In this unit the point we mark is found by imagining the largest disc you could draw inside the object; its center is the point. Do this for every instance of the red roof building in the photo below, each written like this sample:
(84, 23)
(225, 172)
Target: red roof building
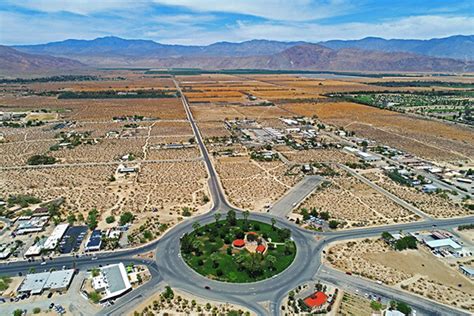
(238, 243)
(316, 300)
(260, 248)
(252, 233)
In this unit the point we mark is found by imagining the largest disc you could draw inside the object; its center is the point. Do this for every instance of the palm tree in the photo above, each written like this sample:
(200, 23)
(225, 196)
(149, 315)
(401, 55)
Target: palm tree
(217, 217)
(273, 223)
(196, 225)
(246, 216)
(271, 260)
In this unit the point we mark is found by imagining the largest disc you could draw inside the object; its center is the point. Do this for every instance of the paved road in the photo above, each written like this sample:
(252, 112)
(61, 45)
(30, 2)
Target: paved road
(295, 195)
(169, 268)
(389, 195)
(422, 306)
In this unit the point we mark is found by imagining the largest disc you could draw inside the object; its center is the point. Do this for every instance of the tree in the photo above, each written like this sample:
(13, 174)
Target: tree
(196, 226)
(387, 236)
(273, 223)
(110, 219)
(324, 215)
(215, 259)
(231, 218)
(95, 297)
(125, 218)
(217, 217)
(271, 260)
(168, 293)
(333, 224)
(92, 219)
(71, 218)
(17, 312)
(246, 216)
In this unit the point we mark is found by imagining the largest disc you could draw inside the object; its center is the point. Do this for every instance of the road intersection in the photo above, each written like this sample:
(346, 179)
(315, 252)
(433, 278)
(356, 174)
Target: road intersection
(169, 268)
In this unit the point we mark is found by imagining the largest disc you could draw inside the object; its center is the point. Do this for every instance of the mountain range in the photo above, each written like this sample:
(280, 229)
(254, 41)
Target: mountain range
(455, 53)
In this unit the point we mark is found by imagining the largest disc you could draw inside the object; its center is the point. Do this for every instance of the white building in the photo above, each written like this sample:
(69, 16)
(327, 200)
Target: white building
(53, 240)
(36, 283)
(443, 244)
(113, 280)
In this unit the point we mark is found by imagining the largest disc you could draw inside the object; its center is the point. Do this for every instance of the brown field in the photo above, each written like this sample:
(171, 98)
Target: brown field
(417, 271)
(251, 185)
(426, 139)
(352, 202)
(431, 204)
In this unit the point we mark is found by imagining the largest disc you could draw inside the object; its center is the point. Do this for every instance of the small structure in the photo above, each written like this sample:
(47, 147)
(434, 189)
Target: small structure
(429, 188)
(95, 241)
(239, 243)
(30, 224)
(260, 249)
(467, 271)
(316, 300)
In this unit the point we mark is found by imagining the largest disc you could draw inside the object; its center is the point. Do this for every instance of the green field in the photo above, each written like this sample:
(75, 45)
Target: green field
(206, 251)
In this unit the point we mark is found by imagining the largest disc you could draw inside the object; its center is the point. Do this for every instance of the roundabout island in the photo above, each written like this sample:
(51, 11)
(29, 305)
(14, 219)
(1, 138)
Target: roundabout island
(238, 250)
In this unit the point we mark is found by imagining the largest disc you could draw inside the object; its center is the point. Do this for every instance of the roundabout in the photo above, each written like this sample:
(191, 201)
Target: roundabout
(238, 250)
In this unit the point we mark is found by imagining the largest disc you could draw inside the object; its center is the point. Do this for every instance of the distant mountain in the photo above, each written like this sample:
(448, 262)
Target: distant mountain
(112, 46)
(312, 57)
(15, 62)
(458, 47)
(369, 54)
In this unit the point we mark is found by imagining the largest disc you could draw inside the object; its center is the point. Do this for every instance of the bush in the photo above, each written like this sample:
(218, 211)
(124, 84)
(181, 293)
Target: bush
(36, 310)
(41, 160)
(110, 219)
(125, 218)
(95, 297)
(333, 224)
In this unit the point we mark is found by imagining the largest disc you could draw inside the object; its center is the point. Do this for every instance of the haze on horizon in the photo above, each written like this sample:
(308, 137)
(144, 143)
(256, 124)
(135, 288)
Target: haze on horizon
(204, 22)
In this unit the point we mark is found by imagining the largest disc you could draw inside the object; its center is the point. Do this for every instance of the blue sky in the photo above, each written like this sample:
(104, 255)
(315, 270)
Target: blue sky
(208, 21)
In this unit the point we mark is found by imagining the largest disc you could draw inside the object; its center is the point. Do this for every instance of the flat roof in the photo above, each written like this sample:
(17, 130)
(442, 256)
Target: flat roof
(34, 283)
(443, 243)
(59, 279)
(467, 269)
(55, 236)
(117, 280)
(95, 239)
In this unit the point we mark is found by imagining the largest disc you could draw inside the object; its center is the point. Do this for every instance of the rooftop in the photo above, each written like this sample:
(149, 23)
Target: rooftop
(316, 300)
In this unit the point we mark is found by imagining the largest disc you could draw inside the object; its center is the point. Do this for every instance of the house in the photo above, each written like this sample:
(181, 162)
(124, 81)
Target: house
(123, 169)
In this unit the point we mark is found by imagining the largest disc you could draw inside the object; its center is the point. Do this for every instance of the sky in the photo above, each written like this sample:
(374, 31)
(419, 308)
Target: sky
(202, 22)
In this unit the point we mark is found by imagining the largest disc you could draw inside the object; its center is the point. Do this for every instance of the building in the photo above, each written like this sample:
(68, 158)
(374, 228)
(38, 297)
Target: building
(429, 188)
(467, 271)
(443, 244)
(95, 241)
(316, 300)
(393, 313)
(123, 169)
(30, 224)
(113, 281)
(239, 243)
(367, 157)
(54, 281)
(35, 250)
(53, 240)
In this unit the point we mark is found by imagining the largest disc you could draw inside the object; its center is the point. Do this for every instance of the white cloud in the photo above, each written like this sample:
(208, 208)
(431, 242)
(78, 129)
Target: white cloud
(283, 10)
(83, 7)
(414, 27)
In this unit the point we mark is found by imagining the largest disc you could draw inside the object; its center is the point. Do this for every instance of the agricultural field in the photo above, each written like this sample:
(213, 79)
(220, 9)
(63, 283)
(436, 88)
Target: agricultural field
(429, 277)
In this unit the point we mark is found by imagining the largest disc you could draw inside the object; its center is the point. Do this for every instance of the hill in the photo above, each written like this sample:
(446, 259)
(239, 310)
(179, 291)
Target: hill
(15, 62)
(458, 47)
